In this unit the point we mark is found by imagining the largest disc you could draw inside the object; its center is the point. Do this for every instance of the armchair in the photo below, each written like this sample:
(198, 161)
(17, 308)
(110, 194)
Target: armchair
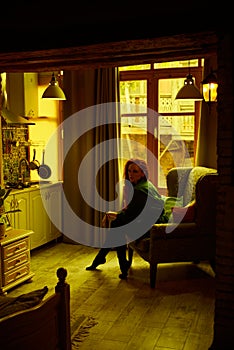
(183, 241)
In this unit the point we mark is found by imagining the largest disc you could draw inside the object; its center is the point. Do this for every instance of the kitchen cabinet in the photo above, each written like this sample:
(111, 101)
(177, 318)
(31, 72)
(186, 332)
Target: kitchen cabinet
(38, 220)
(48, 197)
(19, 201)
(44, 201)
(52, 196)
(37, 205)
(15, 259)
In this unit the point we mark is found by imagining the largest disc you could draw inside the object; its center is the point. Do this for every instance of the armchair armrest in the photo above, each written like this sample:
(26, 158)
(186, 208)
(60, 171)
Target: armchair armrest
(172, 230)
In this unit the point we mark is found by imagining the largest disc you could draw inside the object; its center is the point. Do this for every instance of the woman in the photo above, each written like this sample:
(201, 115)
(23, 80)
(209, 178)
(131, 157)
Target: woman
(144, 192)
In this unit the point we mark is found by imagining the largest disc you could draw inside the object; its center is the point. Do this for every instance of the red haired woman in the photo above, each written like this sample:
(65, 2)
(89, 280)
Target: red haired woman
(144, 193)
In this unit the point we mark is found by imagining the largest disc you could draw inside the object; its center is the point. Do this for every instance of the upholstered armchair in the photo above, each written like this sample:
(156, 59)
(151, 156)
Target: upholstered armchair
(189, 236)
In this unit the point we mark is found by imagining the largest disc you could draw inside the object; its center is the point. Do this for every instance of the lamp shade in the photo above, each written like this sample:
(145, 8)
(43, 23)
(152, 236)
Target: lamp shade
(53, 91)
(209, 88)
(189, 91)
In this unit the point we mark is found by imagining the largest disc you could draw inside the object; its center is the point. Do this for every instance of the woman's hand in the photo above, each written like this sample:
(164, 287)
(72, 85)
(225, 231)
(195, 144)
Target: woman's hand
(108, 217)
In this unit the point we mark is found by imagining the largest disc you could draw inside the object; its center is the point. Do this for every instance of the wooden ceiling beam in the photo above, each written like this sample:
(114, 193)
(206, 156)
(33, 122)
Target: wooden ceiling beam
(178, 47)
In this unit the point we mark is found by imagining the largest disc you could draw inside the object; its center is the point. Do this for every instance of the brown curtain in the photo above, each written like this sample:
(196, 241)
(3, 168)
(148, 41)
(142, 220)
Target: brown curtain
(206, 154)
(92, 95)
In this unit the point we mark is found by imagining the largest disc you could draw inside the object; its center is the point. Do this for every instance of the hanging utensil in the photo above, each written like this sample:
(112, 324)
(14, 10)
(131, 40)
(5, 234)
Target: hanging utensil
(34, 164)
(44, 170)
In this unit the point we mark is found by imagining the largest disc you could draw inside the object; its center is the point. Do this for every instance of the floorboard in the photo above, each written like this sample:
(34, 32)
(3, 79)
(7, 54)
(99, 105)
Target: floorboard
(177, 315)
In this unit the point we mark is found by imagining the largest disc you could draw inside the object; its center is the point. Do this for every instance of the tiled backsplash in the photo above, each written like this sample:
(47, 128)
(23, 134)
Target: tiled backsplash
(15, 147)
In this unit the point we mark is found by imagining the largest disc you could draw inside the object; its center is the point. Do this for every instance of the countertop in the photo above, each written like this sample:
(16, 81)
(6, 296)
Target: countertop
(44, 184)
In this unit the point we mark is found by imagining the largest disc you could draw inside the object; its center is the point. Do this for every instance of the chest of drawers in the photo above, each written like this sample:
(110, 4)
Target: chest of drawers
(15, 258)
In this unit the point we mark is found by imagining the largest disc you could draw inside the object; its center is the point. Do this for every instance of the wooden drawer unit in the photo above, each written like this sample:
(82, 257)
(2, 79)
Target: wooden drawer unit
(14, 249)
(16, 261)
(16, 274)
(15, 258)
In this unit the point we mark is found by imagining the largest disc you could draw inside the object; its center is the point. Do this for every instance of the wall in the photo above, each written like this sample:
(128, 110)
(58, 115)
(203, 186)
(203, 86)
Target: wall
(39, 134)
(224, 305)
(23, 94)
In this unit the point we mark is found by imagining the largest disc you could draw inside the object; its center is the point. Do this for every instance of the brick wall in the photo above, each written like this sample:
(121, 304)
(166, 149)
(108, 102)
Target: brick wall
(224, 305)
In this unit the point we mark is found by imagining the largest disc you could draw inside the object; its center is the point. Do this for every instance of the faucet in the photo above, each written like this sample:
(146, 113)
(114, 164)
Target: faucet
(21, 175)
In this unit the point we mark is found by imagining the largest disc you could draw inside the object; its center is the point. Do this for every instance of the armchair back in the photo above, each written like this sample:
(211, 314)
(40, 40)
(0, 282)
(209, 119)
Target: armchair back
(181, 181)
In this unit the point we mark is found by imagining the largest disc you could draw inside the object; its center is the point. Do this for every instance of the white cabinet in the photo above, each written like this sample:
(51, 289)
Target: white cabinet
(45, 203)
(38, 220)
(52, 200)
(37, 206)
(21, 219)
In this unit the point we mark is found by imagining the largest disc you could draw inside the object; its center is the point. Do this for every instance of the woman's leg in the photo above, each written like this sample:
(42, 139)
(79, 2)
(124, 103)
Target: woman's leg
(124, 264)
(99, 259)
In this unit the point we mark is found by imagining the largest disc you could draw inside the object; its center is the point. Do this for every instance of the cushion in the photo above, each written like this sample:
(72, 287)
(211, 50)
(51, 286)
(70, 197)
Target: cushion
(195, 174)
(10, 305)
(171, 202)
(184, 214)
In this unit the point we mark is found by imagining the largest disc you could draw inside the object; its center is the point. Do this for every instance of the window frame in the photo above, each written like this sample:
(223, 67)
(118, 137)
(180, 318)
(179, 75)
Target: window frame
(152, 76)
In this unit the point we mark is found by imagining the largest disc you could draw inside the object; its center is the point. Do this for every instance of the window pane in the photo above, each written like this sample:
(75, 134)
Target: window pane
(176, 64)
(167, 103)
(133, 96)
(136, 67)
(176, 142)
(133, 137)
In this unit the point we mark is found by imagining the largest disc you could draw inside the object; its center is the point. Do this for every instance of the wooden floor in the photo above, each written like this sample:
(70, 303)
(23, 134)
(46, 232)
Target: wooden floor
(178, 314)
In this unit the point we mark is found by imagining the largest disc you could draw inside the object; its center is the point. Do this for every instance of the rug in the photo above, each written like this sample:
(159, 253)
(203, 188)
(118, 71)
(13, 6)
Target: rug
(80, 330)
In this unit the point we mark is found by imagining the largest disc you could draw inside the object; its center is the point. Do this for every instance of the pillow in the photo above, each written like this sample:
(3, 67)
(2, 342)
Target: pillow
(171, 202)
(184, 214)
(10, 305)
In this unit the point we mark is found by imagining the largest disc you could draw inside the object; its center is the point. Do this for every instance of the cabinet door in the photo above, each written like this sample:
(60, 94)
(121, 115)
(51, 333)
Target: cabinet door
(52, 201)
(38, 219)
(22, 218)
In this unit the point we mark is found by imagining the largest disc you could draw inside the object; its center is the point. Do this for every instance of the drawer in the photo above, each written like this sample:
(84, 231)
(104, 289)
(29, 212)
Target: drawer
(16, 261)
(16, 248)
(16, 274)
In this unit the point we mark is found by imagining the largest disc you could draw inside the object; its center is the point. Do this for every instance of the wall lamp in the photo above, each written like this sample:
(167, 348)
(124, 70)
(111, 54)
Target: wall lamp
(53, 91)
(209, 87)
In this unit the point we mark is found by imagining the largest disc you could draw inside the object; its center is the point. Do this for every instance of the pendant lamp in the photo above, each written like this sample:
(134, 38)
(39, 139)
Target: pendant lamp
(209, 87)
(53, 91)
(189, 91)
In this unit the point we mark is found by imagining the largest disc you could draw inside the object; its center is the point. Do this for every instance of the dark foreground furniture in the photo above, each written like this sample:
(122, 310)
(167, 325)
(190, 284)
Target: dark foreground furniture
(45, 326)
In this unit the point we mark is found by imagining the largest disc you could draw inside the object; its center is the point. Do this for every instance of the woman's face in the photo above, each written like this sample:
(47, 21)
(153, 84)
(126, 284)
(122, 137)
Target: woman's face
(135, 173)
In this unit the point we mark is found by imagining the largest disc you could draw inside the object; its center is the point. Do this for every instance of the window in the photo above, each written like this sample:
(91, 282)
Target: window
(154, 125)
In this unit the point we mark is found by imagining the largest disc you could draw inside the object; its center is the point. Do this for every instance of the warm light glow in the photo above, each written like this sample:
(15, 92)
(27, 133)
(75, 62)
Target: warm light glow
(209, 88)
(210, 92)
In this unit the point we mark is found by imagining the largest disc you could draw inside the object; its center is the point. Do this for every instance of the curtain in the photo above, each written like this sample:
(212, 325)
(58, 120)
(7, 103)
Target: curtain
(91, 150)
(206, 153)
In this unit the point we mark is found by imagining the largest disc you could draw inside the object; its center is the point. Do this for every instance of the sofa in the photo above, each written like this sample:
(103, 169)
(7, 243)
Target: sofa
(189, 235)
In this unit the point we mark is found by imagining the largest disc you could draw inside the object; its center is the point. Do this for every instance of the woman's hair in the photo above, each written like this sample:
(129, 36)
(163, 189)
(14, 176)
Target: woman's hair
(139, 162)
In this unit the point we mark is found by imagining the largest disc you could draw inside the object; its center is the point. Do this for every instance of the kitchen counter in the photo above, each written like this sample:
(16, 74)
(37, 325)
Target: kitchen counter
(35, 186)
